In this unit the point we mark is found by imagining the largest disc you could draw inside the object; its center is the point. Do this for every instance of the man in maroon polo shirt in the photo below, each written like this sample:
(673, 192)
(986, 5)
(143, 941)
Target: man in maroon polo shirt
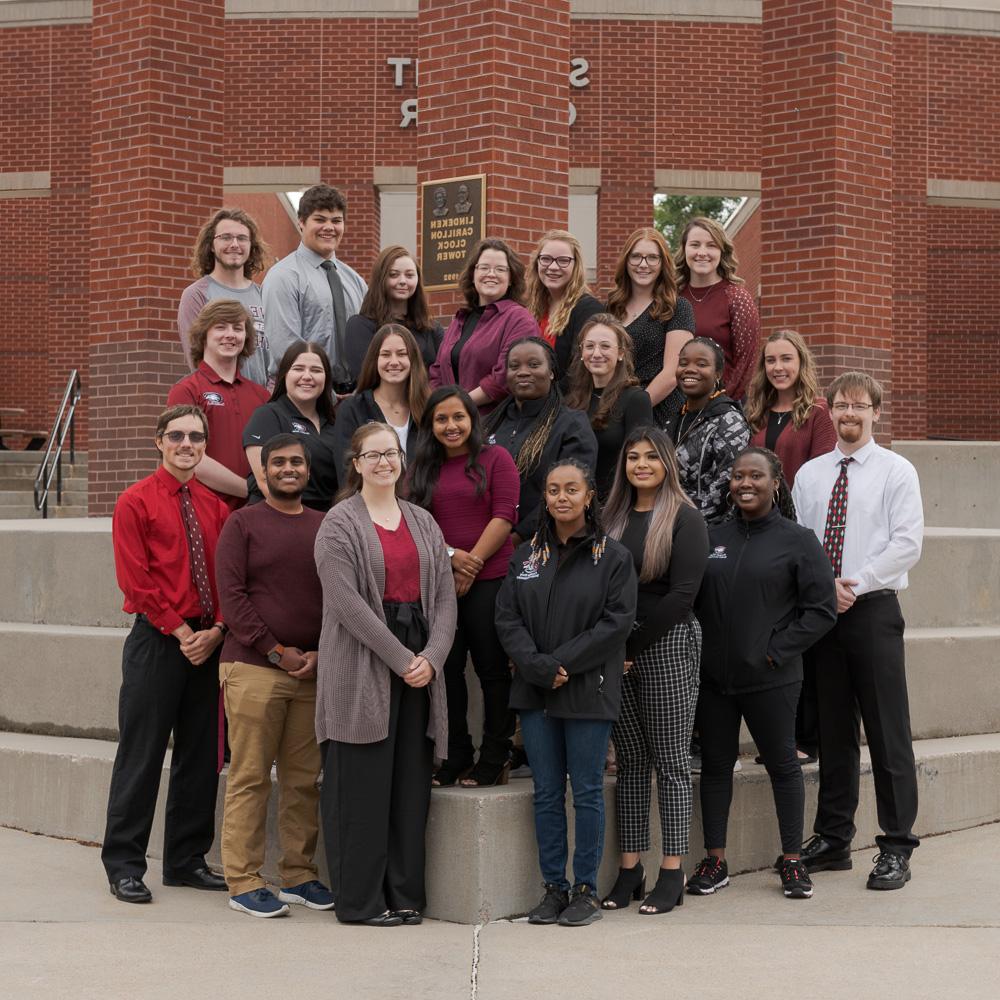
(165, 531)
(221, 336)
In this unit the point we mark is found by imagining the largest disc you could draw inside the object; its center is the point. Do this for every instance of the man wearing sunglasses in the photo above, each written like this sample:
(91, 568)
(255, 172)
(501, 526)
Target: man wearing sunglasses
(165, 531)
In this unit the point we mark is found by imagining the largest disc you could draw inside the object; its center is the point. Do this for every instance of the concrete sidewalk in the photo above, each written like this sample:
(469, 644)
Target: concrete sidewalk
(64, 937)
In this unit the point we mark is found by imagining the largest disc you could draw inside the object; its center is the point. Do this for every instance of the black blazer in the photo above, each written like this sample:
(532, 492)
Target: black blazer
(566, 341)
(354, 411)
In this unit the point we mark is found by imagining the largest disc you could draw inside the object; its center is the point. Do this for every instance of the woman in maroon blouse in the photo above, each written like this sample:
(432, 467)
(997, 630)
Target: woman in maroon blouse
(472, 490)
(785, 409)
(723, 308)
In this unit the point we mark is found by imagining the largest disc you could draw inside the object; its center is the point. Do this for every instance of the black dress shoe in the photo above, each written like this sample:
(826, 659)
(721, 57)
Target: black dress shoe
(387, 919)
(200, 878)
(819, 855)
(891, 871)
(131, 889)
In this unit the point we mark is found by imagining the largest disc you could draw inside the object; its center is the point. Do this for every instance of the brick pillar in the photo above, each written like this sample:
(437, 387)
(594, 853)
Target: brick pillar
(157, 157)
(494, 99)
(826, 180)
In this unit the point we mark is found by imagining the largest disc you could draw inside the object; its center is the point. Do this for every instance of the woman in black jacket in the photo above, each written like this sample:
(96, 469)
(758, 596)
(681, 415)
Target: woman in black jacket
(767, 596)
(654, 519)
(536, 428)
(563, 615)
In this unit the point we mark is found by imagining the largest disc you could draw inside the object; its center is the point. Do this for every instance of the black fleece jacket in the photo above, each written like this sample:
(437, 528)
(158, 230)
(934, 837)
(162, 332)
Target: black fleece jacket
(573, 613)
(766, 597)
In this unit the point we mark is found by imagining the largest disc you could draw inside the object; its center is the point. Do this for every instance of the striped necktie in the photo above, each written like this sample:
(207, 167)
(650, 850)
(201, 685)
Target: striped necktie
(836, 520)
(196, 550)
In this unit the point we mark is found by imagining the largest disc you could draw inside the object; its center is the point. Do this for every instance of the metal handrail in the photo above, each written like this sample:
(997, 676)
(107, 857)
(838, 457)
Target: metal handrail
(52, 463)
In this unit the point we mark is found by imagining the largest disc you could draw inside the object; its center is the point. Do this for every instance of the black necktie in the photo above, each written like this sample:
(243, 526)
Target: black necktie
(339, 310)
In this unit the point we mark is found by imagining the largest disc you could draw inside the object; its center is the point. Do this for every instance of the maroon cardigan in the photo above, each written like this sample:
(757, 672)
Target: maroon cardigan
(795, 446)
(483, 361)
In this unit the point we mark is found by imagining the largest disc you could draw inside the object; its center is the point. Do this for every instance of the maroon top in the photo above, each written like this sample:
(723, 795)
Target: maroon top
(402, 564)
(228, 406)
(269, 590)
(462, 516)
(483, 360)
(794, 446)
(152, 559)
(727, 313)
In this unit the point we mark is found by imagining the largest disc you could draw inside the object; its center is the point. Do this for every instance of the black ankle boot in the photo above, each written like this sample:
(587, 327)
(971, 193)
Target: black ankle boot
(667, 893)
(630, 884)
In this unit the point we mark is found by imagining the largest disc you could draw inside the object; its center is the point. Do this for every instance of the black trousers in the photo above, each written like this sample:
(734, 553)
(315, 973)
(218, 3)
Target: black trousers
(770, 718)
(163, 693)
(807, 715)
(374, 804)
(861, 674)
(476, 634)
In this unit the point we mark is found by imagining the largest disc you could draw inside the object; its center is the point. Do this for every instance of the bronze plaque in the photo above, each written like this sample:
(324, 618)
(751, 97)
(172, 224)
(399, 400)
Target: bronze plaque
(453, 221)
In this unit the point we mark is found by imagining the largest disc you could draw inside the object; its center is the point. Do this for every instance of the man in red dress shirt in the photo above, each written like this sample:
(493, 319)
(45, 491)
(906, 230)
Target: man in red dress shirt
(165, 531)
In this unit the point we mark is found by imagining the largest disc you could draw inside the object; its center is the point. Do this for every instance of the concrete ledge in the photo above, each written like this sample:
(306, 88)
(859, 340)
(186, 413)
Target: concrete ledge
(729, 183)
(29, 13)
(482, 861)
(946, 17)
(967, 194)
(726, 11)
(25, 184)
(242, 180)
(237, 10)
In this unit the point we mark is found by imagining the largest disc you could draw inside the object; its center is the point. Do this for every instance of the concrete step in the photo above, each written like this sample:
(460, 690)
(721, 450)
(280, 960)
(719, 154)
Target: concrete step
(959, 481)
(482, 857)
(16, 497)
(25, 512)
(25, 481)
(953, 680)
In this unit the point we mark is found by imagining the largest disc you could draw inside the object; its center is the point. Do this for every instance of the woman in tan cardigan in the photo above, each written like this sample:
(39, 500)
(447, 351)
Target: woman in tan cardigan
(388, 624)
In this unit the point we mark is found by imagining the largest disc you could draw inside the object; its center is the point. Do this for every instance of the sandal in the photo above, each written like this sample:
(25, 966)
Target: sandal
(630, 884)
(667, 893)
(448, 774)
(486, 775)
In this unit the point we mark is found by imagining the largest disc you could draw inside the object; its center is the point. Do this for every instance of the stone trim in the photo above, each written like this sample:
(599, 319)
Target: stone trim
(395, 177)
(27, 184)
(30, 13)
(251, 180)
(722, 11)
(968, 194)
(947, 17)
(244, 10)
(727, 183)
(585, 180)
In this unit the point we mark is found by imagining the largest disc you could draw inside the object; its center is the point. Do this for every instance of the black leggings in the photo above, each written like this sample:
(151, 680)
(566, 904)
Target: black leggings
(770, 718)
(475, 634)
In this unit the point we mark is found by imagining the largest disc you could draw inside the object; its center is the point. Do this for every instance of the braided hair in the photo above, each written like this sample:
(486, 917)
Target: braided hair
(531, 451)
(783, 497)
(545, 536)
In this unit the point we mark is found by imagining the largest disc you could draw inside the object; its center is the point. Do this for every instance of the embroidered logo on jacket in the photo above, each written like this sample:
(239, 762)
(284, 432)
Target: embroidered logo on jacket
(298, 428)
(719, 552)
(529, 570)
(213, 398)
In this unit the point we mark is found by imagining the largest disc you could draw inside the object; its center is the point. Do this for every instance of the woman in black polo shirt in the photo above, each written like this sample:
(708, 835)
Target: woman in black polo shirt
(300, 404)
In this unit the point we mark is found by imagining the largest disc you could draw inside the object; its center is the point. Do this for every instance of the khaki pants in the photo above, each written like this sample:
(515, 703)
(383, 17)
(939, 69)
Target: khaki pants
(271, 720)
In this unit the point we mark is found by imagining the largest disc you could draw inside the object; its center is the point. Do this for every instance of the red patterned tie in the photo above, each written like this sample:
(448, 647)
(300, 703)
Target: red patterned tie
(196, 550)
(836, 519)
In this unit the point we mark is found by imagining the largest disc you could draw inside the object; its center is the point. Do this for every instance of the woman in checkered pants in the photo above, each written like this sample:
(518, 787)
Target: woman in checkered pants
(653, 517)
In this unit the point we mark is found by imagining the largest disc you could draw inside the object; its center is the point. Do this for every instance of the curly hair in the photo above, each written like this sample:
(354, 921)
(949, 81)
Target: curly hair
(727, 262)
(581, 382)
(783, 495)
(545, 535)
(761, 395)
(466, 280)
(538, 295)
(418, 388)
(321, 198)
(203, 256)
(377, 306)
(220, 311)
(665, 289)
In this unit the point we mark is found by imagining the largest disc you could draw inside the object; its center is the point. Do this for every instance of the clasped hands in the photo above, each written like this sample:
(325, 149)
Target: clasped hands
(297, 664)
(198, 646)
(465, 568)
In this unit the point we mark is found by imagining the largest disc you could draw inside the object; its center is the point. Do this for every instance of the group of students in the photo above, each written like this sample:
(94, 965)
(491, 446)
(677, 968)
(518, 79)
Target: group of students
(587, 500)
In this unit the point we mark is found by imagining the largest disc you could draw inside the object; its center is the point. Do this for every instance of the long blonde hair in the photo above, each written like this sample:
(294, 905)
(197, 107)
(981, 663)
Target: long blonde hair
(761, 395)
(665, 289)
(538, 295)
(727, 260)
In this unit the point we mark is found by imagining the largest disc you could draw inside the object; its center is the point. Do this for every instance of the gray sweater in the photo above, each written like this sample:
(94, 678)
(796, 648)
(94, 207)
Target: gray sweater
(356, 648)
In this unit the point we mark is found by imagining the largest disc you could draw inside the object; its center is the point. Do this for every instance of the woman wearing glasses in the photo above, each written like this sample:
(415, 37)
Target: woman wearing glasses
(388, 624)
(473, 353)
(558, 296)
(659, 322)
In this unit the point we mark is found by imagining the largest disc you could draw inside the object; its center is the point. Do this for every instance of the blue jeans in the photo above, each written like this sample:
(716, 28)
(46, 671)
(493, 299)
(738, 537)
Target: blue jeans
(555, 747)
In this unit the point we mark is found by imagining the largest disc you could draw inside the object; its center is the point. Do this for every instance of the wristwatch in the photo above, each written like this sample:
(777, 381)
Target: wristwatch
(276, 654)
(451, 552)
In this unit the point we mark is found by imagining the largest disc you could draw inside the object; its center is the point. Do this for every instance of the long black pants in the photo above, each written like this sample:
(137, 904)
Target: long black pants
(374, 804)
(807, 715)
(861, 674)
(476, 634)
(162, 692)
(770, 718)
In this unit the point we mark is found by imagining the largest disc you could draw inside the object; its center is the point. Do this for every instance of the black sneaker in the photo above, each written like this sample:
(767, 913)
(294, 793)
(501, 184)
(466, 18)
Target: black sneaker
(795, 881)
(584, 908)
(711, 874)
(891, 871)
(553, 903)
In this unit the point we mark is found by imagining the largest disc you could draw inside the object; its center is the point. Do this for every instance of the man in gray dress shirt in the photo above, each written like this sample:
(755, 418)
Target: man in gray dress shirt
(310, 294)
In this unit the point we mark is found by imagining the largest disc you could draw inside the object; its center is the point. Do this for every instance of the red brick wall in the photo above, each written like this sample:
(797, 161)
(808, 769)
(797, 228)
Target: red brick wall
(747, 244)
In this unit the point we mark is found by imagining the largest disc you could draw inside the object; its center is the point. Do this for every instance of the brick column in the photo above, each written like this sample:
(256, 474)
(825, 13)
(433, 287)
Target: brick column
(826, 180)
(157, 157)
(494, 99)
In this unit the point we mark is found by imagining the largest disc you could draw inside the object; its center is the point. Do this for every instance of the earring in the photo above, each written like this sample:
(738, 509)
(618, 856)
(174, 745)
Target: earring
(776, 496)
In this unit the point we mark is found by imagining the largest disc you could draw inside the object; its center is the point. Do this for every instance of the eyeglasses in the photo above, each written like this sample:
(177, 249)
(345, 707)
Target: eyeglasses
(374, 457)
(244, 241)
(638, 259)
(176, 437)
(856, 407)
(561, 262)
(500, 269)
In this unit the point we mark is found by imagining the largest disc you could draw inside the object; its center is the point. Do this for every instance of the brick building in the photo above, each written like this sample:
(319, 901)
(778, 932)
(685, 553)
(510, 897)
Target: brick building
(865, 134)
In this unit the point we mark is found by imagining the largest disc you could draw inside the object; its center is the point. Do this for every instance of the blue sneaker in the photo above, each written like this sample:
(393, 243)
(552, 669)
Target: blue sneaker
(313, 894)
(258, 903)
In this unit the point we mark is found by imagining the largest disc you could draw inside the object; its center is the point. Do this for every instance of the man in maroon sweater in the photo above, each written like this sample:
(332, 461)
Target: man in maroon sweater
(272, 602)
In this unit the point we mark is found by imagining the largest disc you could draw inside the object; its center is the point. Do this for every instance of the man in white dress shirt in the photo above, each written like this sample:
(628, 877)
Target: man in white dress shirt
(863, 503)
